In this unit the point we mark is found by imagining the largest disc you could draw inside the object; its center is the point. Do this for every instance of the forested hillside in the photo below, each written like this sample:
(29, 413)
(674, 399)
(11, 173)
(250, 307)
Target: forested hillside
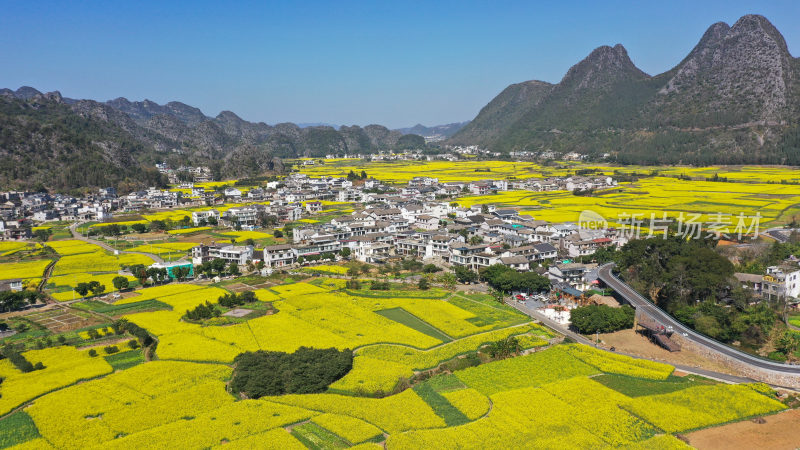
(61, 143)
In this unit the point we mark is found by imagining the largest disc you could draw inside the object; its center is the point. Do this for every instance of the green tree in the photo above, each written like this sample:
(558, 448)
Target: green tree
(475, 240)
(448, 280)
(601, 318)
(217, 265)
(120, 283)
(504, 348)
(262, 373)
(431, 268)
(158, 225)
(43, 234)
(465, 275)
(82, 289)
(498, 295)
(96, 287)
(709, 326)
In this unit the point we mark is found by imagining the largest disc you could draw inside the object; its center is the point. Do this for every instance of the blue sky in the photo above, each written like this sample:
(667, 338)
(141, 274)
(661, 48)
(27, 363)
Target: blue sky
(342, 62)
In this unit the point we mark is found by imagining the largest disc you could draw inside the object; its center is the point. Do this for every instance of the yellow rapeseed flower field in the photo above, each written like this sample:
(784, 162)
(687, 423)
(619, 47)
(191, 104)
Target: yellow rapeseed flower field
(541, 400)
(188, 230)
(341, 270)
(378, 367)
(353, 430)
(469, 401)
(275, 439)
(23, 269)
(63, 366)
(394, 414)
(620, 364)
(71, 280)
(701, 406)
(317, 317)
(750, 190)
(539, 368)
(242, 236)
(159, 292)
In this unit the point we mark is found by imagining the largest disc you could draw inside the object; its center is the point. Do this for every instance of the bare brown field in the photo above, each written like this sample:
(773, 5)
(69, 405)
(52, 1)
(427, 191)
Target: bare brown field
(780, 431)
(632, 343)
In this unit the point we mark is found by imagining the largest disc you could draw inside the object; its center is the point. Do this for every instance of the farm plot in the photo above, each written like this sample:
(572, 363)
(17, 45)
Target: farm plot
(703, 201)
(242, 236)
(8, 248)
(317, 316)
(73, 247)
(62, 287)
(573, 408)
(61, 319)
(701, 406)
(24, 270)
(377, 368)
(537, 401)
(329, 269)
(189, 230)
(447, 171)
(173, 250)
(62, 367)
(98, 261)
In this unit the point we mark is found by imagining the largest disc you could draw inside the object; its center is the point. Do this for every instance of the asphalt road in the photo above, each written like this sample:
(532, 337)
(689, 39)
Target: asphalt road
(642, 304)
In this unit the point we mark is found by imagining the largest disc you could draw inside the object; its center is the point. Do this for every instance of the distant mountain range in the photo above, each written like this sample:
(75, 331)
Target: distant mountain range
(61, 143)
(735, 98)
(443, 131)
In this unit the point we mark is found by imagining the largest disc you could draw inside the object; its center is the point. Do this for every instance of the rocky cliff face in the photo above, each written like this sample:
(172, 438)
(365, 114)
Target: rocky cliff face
(144, 110)
(603, 68)
(734, 75)
(734, 99)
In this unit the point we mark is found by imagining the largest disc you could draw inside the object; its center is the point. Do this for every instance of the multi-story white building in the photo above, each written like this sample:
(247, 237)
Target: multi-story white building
(786, 279)
(279, 255)
(240, 254)
(199, 216)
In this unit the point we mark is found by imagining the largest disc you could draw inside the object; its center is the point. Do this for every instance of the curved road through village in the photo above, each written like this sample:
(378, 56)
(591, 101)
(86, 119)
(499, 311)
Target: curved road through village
(642, 304)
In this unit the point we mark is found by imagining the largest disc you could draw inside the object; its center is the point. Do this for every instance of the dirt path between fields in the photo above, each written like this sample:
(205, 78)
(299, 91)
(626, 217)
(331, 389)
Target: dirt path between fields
(779, 432)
